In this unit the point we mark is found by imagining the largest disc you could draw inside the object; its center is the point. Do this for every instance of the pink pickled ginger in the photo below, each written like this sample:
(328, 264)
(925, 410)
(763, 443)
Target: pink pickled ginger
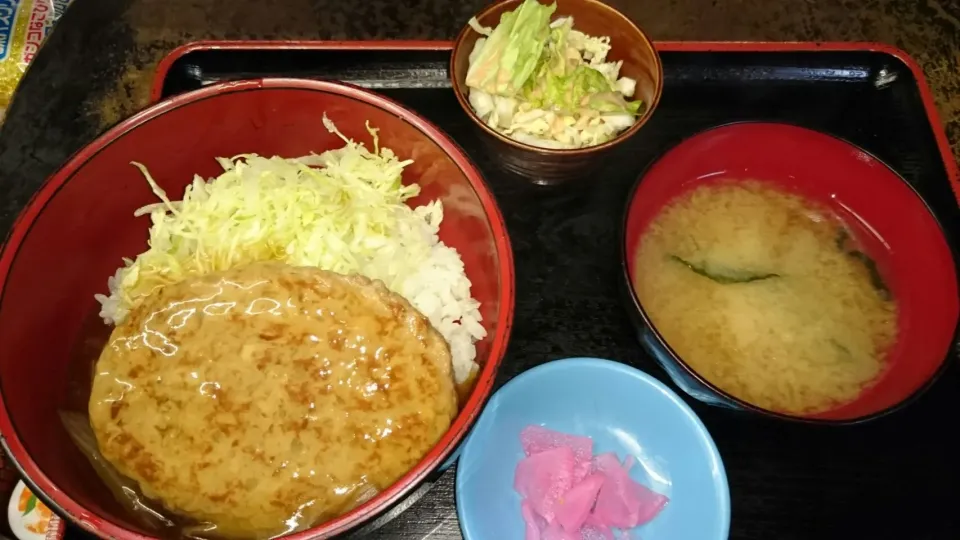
(543, 478)
(570, 494)
(530, 520)
(575, 505)
(622, 502)
(555, 532)
(596, 532)
(537, 439)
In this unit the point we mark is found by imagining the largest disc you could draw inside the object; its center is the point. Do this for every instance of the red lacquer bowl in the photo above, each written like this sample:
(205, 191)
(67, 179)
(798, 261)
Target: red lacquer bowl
(73, 233)
(895, 225)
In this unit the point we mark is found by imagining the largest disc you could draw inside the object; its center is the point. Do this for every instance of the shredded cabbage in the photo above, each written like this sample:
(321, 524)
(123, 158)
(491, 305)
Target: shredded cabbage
(342, 210)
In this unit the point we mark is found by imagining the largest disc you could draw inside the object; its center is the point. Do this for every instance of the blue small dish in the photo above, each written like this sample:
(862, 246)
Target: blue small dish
(624, 411)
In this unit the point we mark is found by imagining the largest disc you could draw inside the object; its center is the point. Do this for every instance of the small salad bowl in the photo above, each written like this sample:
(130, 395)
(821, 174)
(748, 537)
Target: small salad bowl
(628, 44)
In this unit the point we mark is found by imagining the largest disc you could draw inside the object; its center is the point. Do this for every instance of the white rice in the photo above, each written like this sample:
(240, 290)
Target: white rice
(440, 289)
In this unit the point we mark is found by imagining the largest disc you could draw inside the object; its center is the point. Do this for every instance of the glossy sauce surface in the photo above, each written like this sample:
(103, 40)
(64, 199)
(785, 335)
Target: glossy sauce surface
(268, 398)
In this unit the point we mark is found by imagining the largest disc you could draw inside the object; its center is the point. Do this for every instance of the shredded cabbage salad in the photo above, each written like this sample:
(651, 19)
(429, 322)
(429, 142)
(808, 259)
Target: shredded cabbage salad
(342, 210)
(546, 84)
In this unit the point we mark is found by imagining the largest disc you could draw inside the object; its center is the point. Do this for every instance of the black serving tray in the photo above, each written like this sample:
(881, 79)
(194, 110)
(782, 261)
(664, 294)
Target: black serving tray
(895, 478)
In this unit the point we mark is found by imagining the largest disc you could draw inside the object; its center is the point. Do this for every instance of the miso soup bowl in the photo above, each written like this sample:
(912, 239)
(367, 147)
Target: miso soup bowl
(546, 166)
(907, 243)
(73, 233)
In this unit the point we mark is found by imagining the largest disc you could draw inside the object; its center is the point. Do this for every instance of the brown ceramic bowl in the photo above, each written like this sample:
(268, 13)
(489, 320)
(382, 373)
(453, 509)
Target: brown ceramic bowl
(592, 17)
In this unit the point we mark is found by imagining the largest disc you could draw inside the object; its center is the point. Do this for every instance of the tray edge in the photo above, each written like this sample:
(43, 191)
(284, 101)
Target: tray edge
(926, 94)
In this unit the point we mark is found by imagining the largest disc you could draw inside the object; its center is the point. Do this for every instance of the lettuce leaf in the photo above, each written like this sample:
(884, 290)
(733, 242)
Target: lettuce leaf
(512, 52)
(581, 88)
(563, 82)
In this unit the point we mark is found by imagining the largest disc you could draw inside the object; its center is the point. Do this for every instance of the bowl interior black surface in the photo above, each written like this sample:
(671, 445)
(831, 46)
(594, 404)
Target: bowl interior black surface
(894, 478)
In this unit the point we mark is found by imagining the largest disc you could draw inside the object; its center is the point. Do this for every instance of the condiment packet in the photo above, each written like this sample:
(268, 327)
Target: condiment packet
(29, 518)
(23, 26)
